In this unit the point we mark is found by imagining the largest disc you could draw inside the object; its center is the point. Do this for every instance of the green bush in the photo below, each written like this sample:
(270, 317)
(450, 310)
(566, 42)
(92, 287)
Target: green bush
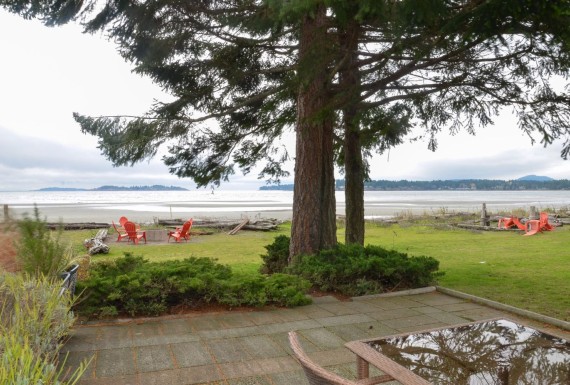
(356, 270)
(259, 290)
(134, 286)
(353, 269)
(277, 257)
(34, 319)
(39, 251)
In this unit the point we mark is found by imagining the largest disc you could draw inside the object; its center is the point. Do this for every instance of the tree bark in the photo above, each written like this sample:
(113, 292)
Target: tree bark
(314, 222)
(354, 170)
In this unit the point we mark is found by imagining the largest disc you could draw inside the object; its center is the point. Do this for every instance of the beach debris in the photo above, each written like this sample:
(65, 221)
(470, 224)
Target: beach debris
(95, 245)
(239, 227)
(78, 226)
(257, 225)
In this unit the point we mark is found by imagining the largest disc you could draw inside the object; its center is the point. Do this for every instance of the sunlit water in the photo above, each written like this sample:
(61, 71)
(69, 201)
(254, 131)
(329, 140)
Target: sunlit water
(98, 205)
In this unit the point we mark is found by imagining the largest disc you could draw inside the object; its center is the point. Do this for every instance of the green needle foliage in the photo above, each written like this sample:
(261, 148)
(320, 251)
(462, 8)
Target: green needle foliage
(132, 285)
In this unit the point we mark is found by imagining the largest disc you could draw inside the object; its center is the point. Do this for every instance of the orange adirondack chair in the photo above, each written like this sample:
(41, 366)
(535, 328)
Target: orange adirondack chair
(121, 234)
(181, 232)
(534, 226)
(123, 220)
(543, 222)
(132, 232)
(509, 222)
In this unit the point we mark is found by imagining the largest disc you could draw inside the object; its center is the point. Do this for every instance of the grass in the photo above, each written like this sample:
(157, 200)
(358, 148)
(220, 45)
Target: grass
(241, 251)
(527, 272)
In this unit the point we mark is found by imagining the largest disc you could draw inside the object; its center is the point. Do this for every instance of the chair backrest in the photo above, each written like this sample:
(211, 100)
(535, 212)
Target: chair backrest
(122, 221)
(186, 227)
(131, 229)
(115, 226)
(315, 374)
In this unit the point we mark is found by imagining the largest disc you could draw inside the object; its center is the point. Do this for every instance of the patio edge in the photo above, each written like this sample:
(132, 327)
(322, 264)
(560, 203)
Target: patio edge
(421, 290)
(501, 306)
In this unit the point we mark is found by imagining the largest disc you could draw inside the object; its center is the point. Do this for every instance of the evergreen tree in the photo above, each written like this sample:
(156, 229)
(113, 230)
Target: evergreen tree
(445, 64)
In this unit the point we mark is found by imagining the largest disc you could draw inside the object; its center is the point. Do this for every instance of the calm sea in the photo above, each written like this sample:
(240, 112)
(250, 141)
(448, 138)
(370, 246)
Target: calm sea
(148, 205)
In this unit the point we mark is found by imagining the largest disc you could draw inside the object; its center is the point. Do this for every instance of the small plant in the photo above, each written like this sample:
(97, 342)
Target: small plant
(39, 252)
(34, 319)
(276, 259)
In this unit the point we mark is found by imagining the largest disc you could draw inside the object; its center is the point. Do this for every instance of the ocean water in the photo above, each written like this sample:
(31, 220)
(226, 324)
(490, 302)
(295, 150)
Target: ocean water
(148, 205)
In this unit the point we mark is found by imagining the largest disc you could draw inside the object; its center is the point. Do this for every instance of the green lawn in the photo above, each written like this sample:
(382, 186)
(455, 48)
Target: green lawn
(528, 272)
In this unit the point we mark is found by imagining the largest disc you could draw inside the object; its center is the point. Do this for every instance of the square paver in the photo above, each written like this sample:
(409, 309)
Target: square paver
(188, 354)
(153, 358)
(228, 350)
(115, 362)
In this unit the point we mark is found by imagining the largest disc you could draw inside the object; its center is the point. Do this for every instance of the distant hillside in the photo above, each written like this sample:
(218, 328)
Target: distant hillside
(456, 184)
(281, 187)
(536, 178)
(467, 184)
(119, 188)
(61, 189)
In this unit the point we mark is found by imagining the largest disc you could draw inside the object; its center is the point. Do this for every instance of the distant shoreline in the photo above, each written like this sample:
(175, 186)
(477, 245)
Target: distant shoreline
(528, 183)
(115, 188)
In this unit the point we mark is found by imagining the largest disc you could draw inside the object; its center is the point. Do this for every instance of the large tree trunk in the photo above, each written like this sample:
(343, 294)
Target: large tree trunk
(314, 221)
(353, 163)
(354, 187)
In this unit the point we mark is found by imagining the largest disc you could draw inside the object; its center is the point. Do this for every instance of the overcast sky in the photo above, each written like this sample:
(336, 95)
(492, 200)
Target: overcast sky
(46, 74)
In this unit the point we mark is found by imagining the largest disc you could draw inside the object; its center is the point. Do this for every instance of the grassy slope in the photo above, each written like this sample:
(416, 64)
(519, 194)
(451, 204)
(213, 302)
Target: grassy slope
(528, 272)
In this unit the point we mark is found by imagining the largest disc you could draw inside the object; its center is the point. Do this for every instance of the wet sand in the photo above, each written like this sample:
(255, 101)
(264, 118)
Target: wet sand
(81, 213)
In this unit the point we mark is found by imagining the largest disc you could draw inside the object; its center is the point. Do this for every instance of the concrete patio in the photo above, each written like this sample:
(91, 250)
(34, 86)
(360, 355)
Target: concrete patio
(250, 347)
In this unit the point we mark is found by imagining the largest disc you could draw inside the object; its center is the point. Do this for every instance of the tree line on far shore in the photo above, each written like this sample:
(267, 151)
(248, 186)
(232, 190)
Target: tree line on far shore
(463, 184)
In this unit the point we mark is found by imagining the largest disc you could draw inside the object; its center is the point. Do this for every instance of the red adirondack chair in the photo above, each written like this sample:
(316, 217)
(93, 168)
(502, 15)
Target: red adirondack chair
(509, 222)
(534, 226)
(132, 232)
(122, 221)
(181, 232)
(121, 234)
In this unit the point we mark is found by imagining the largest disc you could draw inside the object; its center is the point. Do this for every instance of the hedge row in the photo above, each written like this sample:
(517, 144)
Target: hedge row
(135, 286)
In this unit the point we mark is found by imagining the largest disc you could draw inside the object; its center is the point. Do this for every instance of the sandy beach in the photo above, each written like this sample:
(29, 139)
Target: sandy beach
(148, 207)
(73, 214)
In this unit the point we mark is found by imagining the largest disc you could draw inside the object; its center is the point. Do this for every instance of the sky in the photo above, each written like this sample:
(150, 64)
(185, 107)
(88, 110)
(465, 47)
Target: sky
(46, 74)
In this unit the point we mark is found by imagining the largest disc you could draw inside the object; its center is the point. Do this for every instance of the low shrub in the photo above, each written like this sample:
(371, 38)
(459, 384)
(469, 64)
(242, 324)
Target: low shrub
(135, 286)
(34, 319)
(277, 257)
(354, 269)
(259, 290)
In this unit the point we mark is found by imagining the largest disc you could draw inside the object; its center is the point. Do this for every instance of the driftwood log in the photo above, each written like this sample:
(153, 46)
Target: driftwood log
(472, 226)
(78, 226)
(95, 245)
(259, 225)
(239, 227)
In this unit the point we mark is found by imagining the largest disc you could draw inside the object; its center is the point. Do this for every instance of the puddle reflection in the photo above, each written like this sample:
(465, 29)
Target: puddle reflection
(497, 352)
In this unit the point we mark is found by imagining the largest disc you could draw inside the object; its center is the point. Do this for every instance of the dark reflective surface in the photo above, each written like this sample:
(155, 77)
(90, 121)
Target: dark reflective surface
(494, 352)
